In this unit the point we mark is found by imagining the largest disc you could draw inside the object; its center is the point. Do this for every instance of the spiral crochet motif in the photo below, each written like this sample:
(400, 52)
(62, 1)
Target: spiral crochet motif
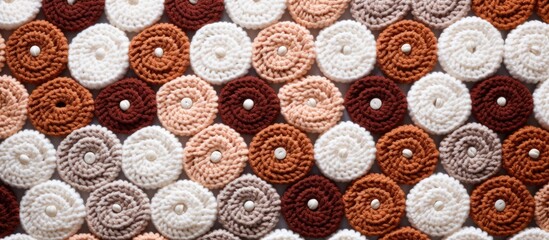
(316, 13)
(9, 211)
(542, 9)
(17, 13)
(531, 234)
(377, 15)
(18, 236)
(13, 106)
(347, 234)
(525, 155)
(469, 233)
(73, 16)
(282, 234)
(149, 236)
(255, 14)
(192, 16)
(405, 233)
(82, 236)
(440, 13)
(219, 234)
(542, 207)
(504, 15)
(133, 15)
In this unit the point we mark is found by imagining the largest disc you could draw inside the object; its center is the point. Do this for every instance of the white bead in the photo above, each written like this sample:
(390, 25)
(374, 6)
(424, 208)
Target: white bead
(535, 49)
(471, 152)
(499, 205)
(438, 103)
(282, 50)
(35, 51)
(534, 153)
(159, 52)
(51, 211)
(407, 153)
(346, 50)
(220, 52)
(375, 204)
(150, 155)
(375, 103)
(193, 1)
(186, 103)
(311, 102)
(124, 105)
(179, 209)
(343, 153)
(71, 2)
(248, 104)
(280, 153)
(215, 157)
(249, 206)
(24, 159)
(312, 204)
(439, 205)
(406, 48)
(116, 208)
(89, 158)
(100, 53)
(502, 101)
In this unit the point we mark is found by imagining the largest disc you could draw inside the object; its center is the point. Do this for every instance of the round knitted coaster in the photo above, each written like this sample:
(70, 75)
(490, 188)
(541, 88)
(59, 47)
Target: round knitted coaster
(541, 104)
(9, 211)
(159, 53)
(149, 236)
(89, 158)
(542, 207)
(525, 49)
(440, 13)
(502, 103)
(248, 207)
(377, 15)
(502, 206)
(374, 204)
(82, 236)
(2, 52)
(469, 233)
(316, 13)
(504, 15)
(283, 52)
(133, 15)
(215, 156)
(312, 104)
(407, 154)
(98, 56)
(542, 9)
(282, 234)
(126, 106)
(52, 210)
(18, 236)
(37, 52)
(73, 15)
(347, 234)
(376, 103)
(439, 103)
(248, 105)
(256, 14)
(345, 51)
(405, 233)
(526, 155)
(13, 106)
(16, 13)
(27, 158)
(152, 157)
(531, 234)
(470, 49)
(219, 234)
(186, 105)
(193, 14)
(471, 154)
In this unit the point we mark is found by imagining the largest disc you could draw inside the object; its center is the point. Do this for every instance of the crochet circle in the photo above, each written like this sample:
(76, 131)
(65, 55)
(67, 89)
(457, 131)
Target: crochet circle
(501, 103)
(541, 104)
(13, 106)
(312, 104)
(2, 52)
(183, 210)
(9, 211)
(471, 154)
(345, 152)
(283, 52)
(487, 211)
(439, 103)
(98, 56)
(27, 158)
(73, 15)
(347, 234)
(405, 233)
(542, 207)
(255, 14)
(378, 15)
(152, 157)
(362, 97)
(282, 234)
(52, 210)
(219, 234)
(440, 14)
(133, 15)
(470, 49)
(406, 65)
(45, 64)
(542, 9)
(244, 221)
(469, 233)
(89, 158)
(139, 111)
(192, 15)
(215, 156)
(519, 158)
(16, 13)
(374, 204)
(234, 110)
(177, 115)
(407, 154)
(345, 51)
(316, 13)
(149, 236)
(118, 210)
(504, 15)
(82, 236)
(18, 236)
(531, 234)
(159, 53)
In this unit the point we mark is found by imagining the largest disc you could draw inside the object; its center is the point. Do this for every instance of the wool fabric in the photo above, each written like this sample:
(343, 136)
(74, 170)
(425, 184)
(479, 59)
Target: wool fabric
(16, 13)
(405, 233)
(73, 15)
(531, 234)
(525, 155)
(126, 106)
(469, 233)
(255, 14)
(2, 52)
(45, 64)
(377, 15)
(283, 52)
(18, 236)
(541, 104)
(193, 15)
(347, 234)
(542, 207)
(133, 15)
(219, 234)
(186, 105)
(316, 13)
(13, 106)
(440, 14)
(526, 48)
(542, 9)
(504, 15)
(150, 236)
(234, 105)
(248, 221)
(9, 211)
(282, 234)
(82, 236)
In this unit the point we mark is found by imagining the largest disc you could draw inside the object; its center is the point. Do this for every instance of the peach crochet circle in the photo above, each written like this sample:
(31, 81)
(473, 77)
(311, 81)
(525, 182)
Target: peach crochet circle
(405, 233)
(504, 15)
(150, 236)
(542, 207)
(2, 52)
(219, 234)
(83, 236)
(283, 52)
(518, 157)
(316, 13)
(13, 106)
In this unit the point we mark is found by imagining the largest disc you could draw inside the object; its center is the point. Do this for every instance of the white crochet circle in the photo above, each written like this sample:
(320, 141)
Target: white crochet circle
(67, 203)
(437, 205)
(526, 51)
(346, 51)
(541, 104)
(255, 14)
(27, 158)
(439, 103)
(18, 236)
(98, 56)
(345, 152)
(469, 233)
(152, 157)
(531, 234)
(18, 12)
(470, 49)
(347, 234)
(282, 234)
(183, 210)
(221, 52)
(133, 15)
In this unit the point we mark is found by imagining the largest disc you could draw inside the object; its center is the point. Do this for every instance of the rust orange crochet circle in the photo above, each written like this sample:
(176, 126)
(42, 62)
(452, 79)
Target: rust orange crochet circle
(405, 233)
(316, 13)
(504, 15)
(542, 8)
(526, 155)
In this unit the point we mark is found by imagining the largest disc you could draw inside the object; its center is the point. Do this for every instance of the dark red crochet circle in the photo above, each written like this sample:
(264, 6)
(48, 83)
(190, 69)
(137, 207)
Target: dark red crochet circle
(317, 223)
(393, 104)
(9, 211)
(73, 17)
(264, 112)
(190, 16)
(506, 118)
(142, 106)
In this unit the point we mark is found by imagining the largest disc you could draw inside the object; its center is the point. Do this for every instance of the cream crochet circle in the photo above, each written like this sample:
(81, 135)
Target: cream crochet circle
(347, 234)
(469, 233)
(52, 210)
(183, 210)
(531, 234)
(526, 50)
(133, 15)
(152, 157)
(437, 205)
(541, 104)
(471, 49)
(255, 14)
(18, 236)
(282, 234)
(346, 51)
(18, 12)
(27, 158)
(345, 152)
(221, 52)
(439, 103)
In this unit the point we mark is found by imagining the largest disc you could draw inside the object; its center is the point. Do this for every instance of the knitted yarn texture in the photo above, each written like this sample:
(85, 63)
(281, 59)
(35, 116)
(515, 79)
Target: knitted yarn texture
(17, 13)
(347, 234)
(405, 233)
(18, 236)
(504, 15)
(13, 106)
(2, 52)
(440, 13)
(541, 104)
(542, 207)
(255, 14)
(133, 15)
(316, 13)
(82, 236)
(531, 234)
(525, 155)
(219, 234)
(542, 9)
(73, 16)
(9, 211)
(377, 15)
(282, 234)
(192, 15)
(469, 233)
(150, 236)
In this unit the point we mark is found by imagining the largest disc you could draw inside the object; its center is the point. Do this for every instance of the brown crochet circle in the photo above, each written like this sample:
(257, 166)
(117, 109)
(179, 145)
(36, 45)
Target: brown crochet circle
(9, 211)
(542, 8)
(60, 106)
(542, 207)
(13, 106)
(504, 15)
(406, 67)
(83, 236)
(516, 215)
(150, 236)
(316, 13)
(219, 234)
(405, 233)
(299, 154)
(518, 162)
(73, 17)
(192, 16)
(159, 69)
